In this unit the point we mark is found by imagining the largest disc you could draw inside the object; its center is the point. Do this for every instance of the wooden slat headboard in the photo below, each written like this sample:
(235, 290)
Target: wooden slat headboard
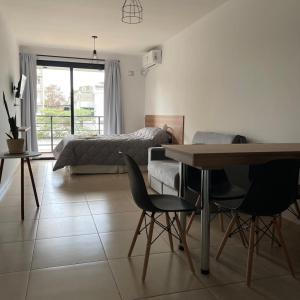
(175, 125)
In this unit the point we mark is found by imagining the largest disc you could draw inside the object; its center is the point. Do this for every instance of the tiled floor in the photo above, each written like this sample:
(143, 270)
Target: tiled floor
(75, 247)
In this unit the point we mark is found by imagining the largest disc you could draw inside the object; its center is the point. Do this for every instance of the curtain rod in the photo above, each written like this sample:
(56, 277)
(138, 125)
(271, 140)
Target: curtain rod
(72, 57)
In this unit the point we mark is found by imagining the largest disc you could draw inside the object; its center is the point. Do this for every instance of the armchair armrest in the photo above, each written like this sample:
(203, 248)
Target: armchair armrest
(156, 153)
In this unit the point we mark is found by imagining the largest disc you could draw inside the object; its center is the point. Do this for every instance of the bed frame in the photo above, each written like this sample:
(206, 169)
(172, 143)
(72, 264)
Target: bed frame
(174, 124)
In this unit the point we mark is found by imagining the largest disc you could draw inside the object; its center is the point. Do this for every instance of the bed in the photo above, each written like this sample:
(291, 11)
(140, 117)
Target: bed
(100, 154)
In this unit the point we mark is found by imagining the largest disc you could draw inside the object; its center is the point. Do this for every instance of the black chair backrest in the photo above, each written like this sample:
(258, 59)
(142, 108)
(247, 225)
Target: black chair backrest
(273, 187)
(218, 179)
(137, 184)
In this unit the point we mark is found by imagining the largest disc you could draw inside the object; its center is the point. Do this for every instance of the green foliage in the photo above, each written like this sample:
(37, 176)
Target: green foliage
(85, 122)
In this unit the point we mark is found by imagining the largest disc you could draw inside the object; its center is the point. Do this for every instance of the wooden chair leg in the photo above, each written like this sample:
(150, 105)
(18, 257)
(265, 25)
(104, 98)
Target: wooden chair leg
(241, 232)
(193, 215)
(168, 221)
(250, 252)
(283, 244)
(137, 231)
(183, 239)
(297, 209)
(148, 247)
(257, 236)
(221, 222)
(226, 235)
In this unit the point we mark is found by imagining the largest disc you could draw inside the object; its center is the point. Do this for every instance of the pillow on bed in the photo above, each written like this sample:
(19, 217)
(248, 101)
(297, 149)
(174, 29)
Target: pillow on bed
(159, 135)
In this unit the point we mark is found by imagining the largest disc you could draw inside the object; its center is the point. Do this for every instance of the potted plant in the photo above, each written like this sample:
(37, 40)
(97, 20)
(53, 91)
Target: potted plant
(14, 144)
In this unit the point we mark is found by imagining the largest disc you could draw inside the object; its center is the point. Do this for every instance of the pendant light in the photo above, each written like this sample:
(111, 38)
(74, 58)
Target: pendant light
(94, 55)
(132, 12)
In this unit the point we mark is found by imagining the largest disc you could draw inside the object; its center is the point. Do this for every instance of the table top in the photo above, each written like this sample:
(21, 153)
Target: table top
(19, 155)
(221, 155)
(24, 129)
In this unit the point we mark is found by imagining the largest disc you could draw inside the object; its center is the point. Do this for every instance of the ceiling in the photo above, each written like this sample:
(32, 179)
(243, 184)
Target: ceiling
(68, 24)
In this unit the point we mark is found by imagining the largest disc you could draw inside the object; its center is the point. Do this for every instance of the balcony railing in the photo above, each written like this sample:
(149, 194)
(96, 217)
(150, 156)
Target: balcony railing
(51, 129)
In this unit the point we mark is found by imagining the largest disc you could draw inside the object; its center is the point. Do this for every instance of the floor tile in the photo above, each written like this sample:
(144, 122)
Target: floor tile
(13, 286)
(237, 292)
(18, 231)
(117, 222)
(67, 251)
(62, 197)
(64, 210)
(15, 256)
(203, 294)
(112, 206)
(276, 288)
(59, 227)
(107, 195)
(116, 244)
(167, 273)
(231, 266)
(13, 213)
(91, 281)
(15, 200)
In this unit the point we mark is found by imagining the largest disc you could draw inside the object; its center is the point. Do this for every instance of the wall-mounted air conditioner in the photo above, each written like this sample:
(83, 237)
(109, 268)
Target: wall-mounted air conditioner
(151, 59)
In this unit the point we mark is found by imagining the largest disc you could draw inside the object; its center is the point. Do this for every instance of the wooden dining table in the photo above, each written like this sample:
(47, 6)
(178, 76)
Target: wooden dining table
(217, 156)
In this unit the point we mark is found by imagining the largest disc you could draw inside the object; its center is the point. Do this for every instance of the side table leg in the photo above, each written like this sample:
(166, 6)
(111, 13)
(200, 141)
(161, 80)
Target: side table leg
(32, 182)
(1, 168)
(22, 188)
(205, 223)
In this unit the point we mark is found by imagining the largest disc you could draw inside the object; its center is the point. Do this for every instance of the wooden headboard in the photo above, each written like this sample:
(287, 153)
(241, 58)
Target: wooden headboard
(175, 125)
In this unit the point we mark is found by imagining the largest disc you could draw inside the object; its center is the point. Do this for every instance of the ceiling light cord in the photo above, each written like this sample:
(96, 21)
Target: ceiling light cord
(94, 56)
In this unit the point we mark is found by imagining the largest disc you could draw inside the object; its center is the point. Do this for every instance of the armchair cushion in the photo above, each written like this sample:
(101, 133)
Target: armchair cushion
(166, 171)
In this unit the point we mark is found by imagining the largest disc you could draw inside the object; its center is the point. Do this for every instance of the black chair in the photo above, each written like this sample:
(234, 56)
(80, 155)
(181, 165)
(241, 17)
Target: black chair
(273, 188)
(153, 206)
(221, 189)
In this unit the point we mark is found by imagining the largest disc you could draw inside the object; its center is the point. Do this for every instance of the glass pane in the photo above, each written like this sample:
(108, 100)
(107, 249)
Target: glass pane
(88, 101)
(53, 116)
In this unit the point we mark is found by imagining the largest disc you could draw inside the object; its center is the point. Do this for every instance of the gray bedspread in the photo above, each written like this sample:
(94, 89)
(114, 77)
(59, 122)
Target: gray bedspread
(104, 150)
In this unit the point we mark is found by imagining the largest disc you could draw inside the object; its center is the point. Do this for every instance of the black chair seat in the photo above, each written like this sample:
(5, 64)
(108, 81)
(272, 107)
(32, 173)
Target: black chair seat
(170, 203)
(231, 204)
(228, 192)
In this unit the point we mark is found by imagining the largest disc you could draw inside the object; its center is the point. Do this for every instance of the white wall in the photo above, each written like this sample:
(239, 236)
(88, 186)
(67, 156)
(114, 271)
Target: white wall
(133, 87)
(9, 73)
(235, 70)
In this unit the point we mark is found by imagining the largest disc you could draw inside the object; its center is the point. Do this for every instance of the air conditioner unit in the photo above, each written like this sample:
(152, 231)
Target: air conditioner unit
(152, 58)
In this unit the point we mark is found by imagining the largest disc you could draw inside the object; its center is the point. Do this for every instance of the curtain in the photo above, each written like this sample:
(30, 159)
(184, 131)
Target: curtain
(112, 98)
(28, 104)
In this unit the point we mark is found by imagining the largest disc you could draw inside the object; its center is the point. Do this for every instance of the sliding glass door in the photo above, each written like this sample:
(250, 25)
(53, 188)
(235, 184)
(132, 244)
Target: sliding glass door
(88, 101)
(69, 101)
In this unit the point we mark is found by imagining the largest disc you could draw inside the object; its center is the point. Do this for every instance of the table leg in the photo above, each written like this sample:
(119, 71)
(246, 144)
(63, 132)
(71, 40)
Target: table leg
(32, 182)
(22, 188)
(182, 215)
(205, 223)
(1, 168)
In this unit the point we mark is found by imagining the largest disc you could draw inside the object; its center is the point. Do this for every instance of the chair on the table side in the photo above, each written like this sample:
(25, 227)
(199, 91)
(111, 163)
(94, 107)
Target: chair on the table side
(221, 189)
(294, 208)
(273, 188)
(153, 206)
